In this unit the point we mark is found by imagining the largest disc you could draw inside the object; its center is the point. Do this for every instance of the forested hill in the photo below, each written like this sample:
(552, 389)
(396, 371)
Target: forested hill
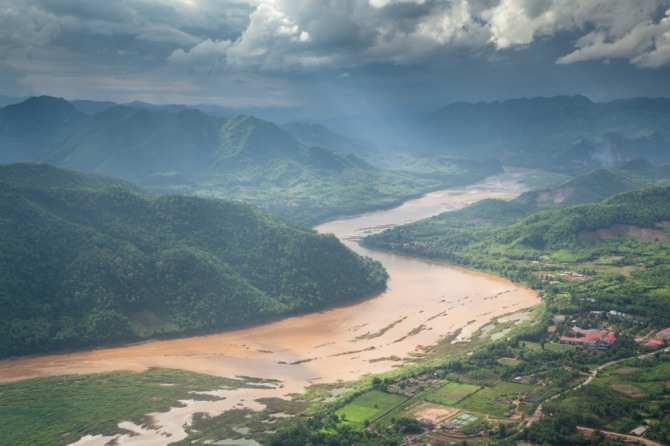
(520, 224)
(622, 245)
(86, 261)
(239, 157)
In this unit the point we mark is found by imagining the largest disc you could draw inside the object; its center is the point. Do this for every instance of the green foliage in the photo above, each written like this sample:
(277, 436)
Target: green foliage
(370, 406)
(494, 236)
(82, 265)
(61, 410)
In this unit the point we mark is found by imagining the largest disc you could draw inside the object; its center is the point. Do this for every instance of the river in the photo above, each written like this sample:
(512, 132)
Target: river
(425, 302)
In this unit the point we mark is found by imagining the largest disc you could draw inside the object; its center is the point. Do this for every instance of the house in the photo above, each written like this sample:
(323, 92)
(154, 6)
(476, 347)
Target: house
(426, 423)
(532, 397)
(664, 334)
(591, 338)
(653, 343)
(569, 275)
(449, 426)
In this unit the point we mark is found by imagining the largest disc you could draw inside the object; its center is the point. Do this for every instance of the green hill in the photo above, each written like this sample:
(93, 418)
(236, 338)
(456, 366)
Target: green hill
(87, 261)
(622, 245)
(558, 229)
(240, 157)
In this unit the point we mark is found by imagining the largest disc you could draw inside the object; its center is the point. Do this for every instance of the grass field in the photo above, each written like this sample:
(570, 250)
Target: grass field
(60, 410)
(509, 362)
(463, 419)
(369, 406)
(494, 400)
(451, 393)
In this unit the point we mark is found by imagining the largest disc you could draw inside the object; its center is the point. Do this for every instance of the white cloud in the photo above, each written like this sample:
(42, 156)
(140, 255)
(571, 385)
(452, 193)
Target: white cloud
(278, 38)
(22, 25)
(647, 45)
(290, 34)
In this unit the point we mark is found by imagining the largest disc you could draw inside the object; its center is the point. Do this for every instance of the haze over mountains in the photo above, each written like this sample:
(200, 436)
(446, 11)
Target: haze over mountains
(240, 156)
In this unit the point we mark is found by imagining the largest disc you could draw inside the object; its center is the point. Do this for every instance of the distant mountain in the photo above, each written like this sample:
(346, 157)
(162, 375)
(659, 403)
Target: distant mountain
(187, 151)
(8, 100)
(562, 133)
(317, 134)
(87, 260)
(29, 129)
(138, 143)
(92, 107)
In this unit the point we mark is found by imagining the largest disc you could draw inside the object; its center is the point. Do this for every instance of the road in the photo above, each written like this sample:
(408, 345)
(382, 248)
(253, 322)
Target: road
(589, 431)
(537, 414)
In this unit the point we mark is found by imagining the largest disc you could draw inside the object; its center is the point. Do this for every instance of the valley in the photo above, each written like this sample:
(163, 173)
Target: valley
(236, 323)
(426, 302)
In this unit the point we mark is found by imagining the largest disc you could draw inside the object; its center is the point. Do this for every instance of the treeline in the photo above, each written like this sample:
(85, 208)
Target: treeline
(94, 262)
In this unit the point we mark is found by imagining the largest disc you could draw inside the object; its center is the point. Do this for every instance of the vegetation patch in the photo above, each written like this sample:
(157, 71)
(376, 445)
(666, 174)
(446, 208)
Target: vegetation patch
(369, 407)
(380, 332)
(451, 393)
(60, 410)
(628, 389)
(495, 400)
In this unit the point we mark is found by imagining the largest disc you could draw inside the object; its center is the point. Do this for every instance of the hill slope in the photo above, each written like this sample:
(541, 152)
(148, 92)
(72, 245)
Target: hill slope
(240, 157)
(85, 261)
(623, 242)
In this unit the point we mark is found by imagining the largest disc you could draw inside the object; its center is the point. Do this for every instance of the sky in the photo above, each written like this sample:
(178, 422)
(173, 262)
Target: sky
(334, 57)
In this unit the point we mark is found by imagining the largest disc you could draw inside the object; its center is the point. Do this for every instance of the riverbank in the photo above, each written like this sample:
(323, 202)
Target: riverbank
(424, 303)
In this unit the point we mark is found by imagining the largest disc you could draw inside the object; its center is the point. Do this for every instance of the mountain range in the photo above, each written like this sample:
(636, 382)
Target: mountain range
(563, 133)
(239, 157)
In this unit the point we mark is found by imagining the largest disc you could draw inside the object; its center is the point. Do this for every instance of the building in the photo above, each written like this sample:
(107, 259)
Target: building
(664, 334)
(653, 343)
(590, 338)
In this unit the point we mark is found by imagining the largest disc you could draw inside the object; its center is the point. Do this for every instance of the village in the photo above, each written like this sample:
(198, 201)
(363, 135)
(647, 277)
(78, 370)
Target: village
(504, 393)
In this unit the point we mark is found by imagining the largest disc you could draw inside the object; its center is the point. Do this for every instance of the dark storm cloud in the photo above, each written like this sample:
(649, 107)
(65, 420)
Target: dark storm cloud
(300, 52)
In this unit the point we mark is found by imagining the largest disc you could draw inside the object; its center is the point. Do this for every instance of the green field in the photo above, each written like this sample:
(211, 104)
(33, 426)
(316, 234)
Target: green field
(451, 393)
(509, 362)
(464, 418)
(494, 400)
(369, 406)
(62, 409)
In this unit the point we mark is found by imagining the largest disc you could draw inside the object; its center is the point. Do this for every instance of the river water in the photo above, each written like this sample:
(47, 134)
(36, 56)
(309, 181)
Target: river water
(425, 302)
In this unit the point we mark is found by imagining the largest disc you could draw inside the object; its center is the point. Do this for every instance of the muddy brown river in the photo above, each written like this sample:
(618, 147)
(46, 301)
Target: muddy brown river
(425, 301)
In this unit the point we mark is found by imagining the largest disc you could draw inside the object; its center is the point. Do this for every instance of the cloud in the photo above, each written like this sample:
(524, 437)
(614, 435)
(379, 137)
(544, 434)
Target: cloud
(647, 44)
(277, 47)
(316, 34)
(288, 34)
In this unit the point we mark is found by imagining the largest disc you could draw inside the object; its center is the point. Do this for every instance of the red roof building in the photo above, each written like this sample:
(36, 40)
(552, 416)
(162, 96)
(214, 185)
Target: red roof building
(653, 343)
(601, 339)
